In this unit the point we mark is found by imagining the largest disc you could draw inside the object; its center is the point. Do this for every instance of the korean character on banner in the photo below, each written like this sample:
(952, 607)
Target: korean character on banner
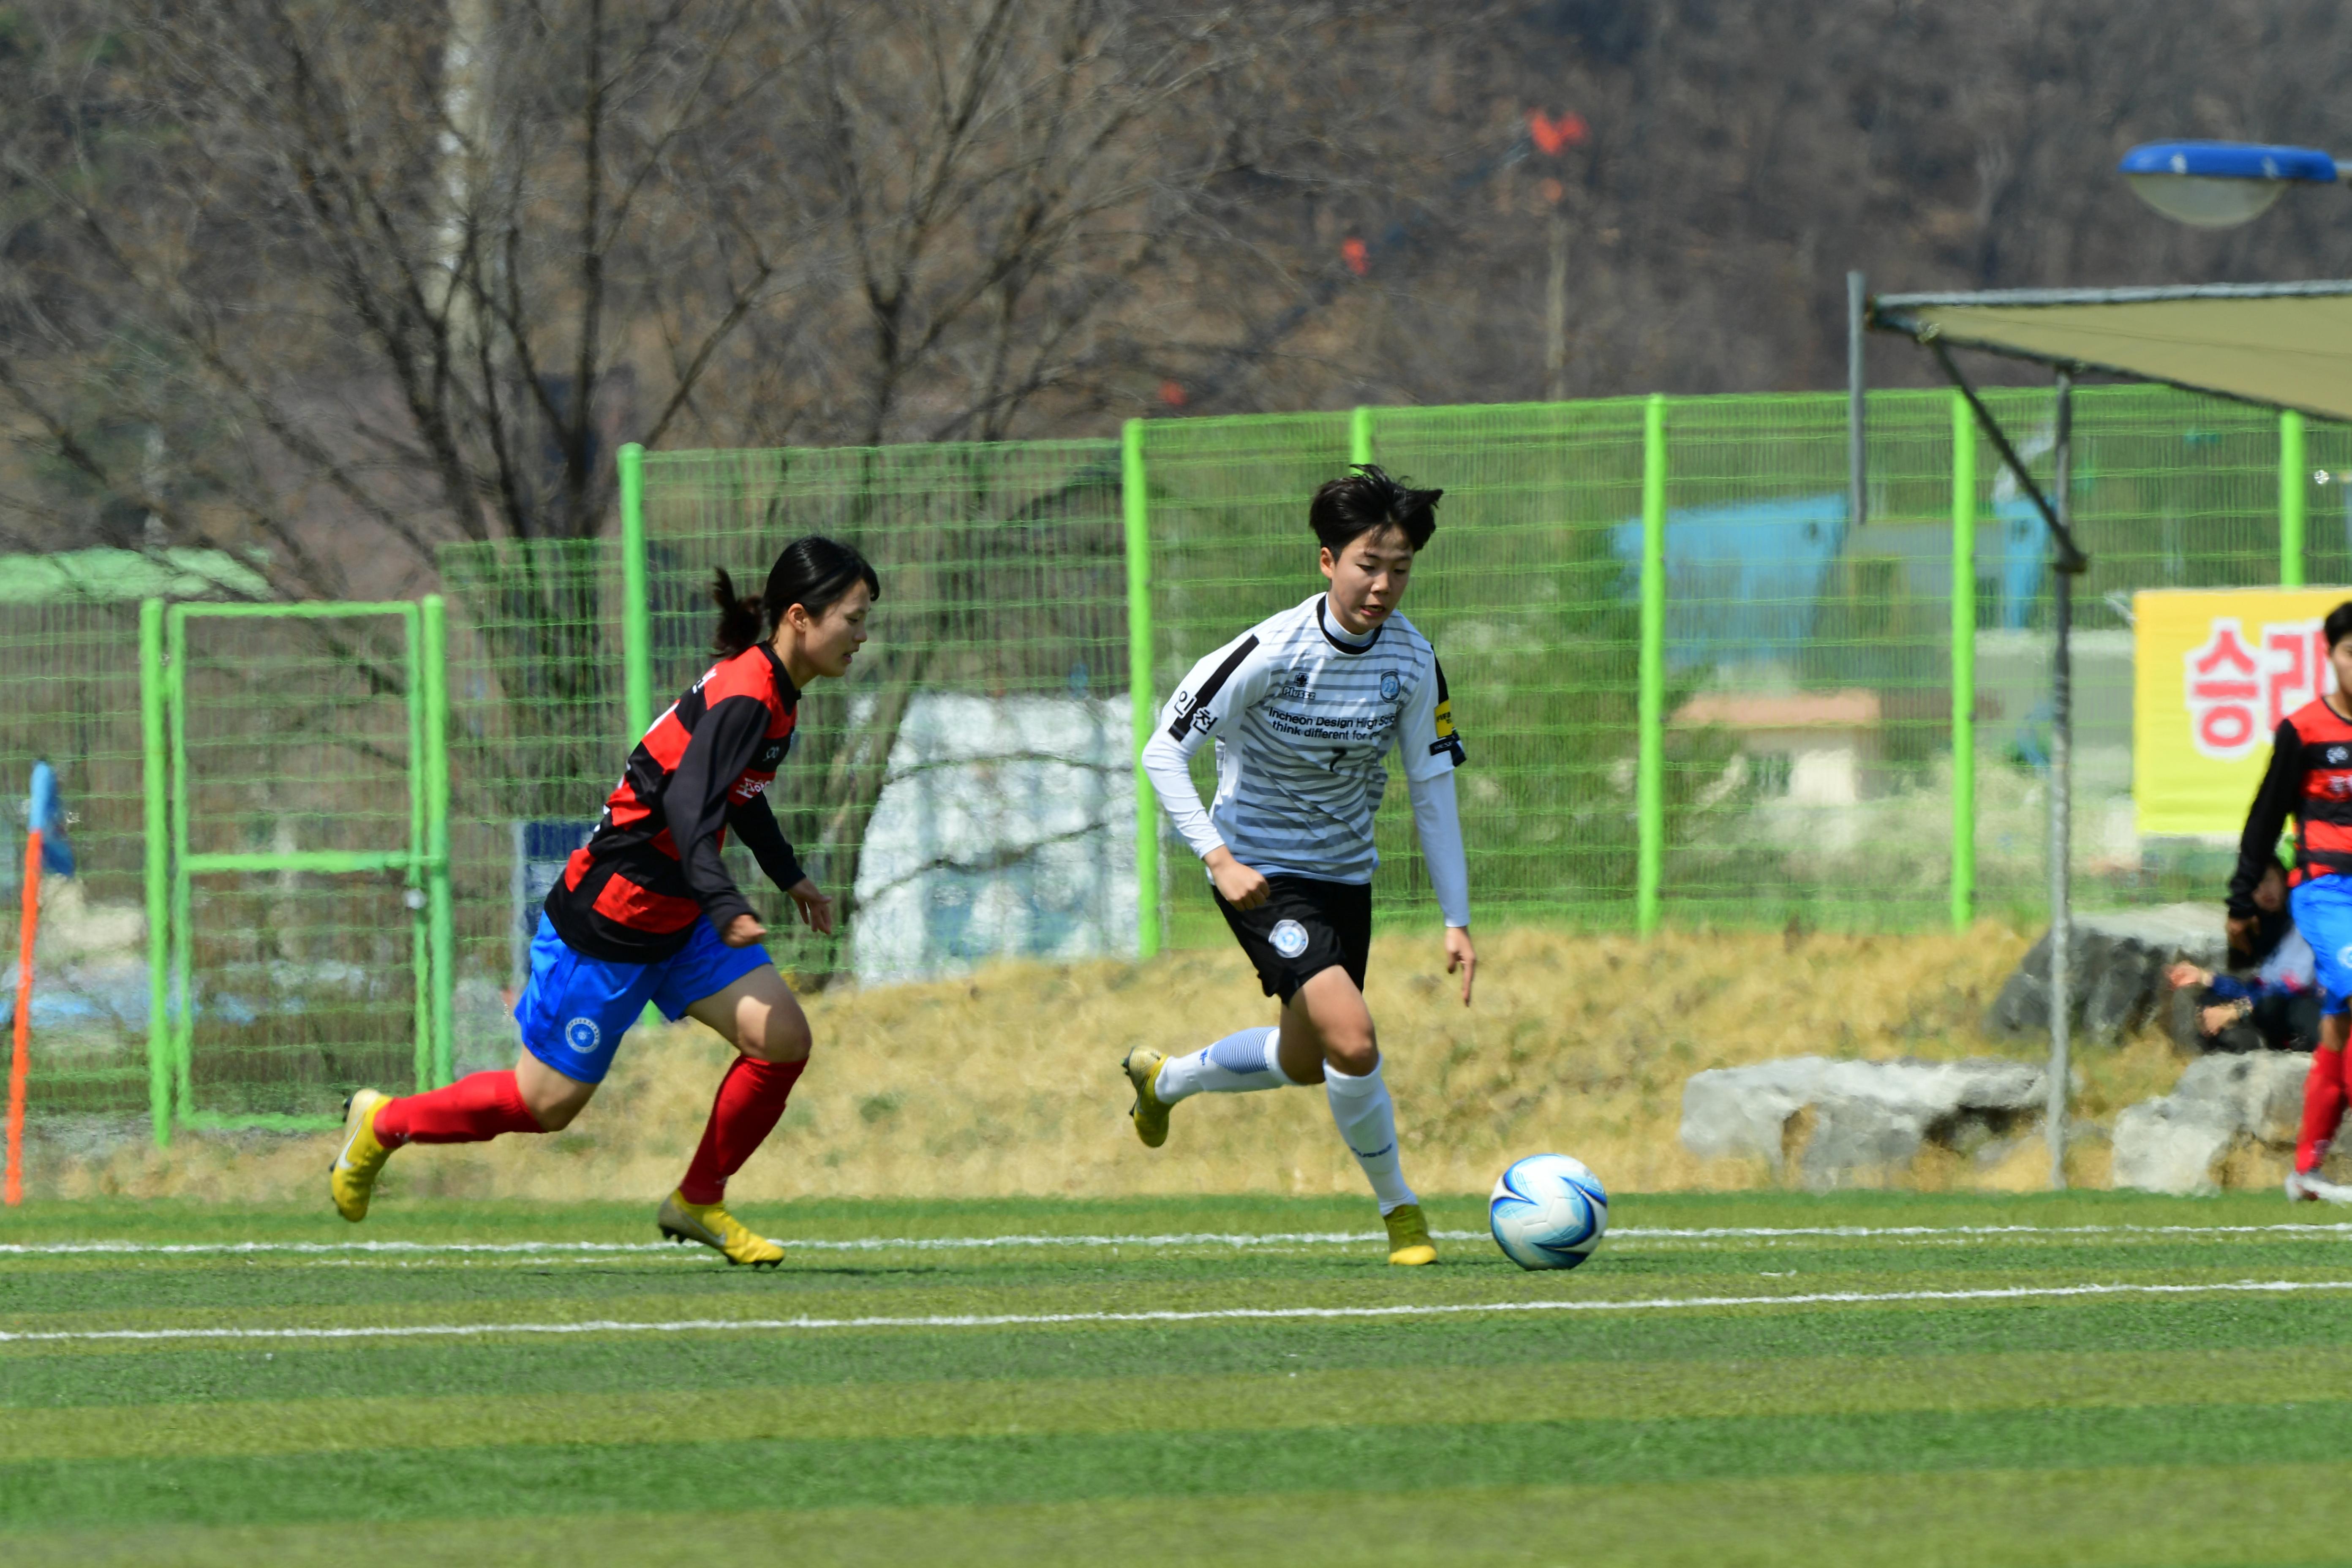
(2224, 689)
(2299, 671)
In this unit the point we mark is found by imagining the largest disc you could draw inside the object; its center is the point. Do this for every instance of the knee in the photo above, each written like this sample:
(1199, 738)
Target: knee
(553, 1113)
(783, 1038)
(1355, 1051)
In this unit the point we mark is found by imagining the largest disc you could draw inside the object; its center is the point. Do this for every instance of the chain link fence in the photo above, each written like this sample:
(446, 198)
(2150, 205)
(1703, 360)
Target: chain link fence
(970, 793)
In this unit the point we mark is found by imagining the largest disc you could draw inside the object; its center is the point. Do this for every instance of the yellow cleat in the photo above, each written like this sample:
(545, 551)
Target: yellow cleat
(352, 1179)
(1408, 1243)
(712, 1225)
(1150, 1111)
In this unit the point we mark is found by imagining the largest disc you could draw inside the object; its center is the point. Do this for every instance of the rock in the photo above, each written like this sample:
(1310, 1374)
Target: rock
(1831, 1123)
(2115, 972)
(2177, 1143)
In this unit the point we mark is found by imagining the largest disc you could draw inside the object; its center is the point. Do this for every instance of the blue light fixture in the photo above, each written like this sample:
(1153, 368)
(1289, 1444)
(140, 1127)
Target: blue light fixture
(2214, 184)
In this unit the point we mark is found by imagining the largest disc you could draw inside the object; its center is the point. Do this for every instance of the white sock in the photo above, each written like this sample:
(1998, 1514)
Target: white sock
(1238, 1064)
(1367, 1119)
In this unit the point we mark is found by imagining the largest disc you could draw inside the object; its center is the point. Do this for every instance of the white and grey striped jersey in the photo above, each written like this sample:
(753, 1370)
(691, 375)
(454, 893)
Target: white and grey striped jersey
(1302, 714)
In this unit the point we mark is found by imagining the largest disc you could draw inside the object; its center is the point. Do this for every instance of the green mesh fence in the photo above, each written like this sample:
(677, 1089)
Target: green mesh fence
(1529, 594)
(1807, 772)
(72, 680)
(298, 918)
(967, 792)
(1229, 547)
(537, 739)
(2170, 491)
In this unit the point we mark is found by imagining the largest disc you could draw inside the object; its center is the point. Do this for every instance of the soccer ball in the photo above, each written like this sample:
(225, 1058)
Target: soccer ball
(1548, 1212)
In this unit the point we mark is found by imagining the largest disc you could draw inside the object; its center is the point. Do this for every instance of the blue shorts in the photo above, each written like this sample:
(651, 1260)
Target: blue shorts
(2322, 913)
(575, 1009)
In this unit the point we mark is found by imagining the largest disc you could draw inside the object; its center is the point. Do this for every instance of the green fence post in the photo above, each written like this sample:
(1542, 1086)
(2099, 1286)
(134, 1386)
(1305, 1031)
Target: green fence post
(182, 979)
(1359, 437)
(637, 622)
(1136, 504)
(1650, 792)
(159, 869)
(1964, 664)
(420, 924)
(2293, 495)
(441, 945)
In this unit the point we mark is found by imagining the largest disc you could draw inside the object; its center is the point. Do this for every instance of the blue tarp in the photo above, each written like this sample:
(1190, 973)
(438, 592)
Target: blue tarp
(1745, 580)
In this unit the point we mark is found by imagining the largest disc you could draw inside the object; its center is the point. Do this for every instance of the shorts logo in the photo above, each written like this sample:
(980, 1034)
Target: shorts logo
(582, 1035)
(1289, 938)
(2343, 958)
(1388, 686)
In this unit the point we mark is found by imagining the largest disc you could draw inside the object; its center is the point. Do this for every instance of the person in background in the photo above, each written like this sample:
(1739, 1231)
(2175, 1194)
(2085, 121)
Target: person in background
(2267, 999)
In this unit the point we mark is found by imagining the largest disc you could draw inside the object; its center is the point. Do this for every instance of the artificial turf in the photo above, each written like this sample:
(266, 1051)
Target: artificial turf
(1688, 1397)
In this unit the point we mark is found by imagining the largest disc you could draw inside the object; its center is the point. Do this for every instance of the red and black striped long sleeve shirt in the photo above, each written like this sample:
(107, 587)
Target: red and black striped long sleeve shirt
(2310, 779)
(652, 868)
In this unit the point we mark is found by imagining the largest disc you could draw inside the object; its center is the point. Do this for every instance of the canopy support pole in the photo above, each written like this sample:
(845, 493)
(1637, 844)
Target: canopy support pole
(1857, 451)
(2062, 716)
(2069, 564)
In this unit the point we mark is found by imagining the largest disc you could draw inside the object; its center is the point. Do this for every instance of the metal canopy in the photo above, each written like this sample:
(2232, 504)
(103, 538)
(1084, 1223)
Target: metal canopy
(2282, 345)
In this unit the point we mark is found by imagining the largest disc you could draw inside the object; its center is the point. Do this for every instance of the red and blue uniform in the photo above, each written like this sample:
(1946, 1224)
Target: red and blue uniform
(2309, 778)
(636, 918)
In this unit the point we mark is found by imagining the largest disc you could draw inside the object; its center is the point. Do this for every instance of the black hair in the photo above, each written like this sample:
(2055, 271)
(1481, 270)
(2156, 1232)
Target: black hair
(2338, 625)
(1345, 509)
(812, 572)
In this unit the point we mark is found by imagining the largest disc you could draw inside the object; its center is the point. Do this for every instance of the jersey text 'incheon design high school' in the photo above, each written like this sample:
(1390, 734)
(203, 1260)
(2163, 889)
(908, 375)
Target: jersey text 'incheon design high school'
(626, 896)
(1302, 713)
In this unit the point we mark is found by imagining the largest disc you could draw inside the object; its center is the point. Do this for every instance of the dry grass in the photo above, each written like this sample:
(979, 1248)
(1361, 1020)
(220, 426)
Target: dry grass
(1008, 1082)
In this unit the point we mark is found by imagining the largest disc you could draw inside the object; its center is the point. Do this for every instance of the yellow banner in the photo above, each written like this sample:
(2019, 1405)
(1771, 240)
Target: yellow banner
(2213, 671)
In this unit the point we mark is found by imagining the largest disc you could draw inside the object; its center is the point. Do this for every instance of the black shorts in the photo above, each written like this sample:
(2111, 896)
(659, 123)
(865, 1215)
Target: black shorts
(1303, 928)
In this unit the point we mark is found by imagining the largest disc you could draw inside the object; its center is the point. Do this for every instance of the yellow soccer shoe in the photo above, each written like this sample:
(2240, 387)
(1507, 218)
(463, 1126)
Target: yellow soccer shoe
(1150, 1111)
(712, 1225)
(350, 1180)
(1408, 1243)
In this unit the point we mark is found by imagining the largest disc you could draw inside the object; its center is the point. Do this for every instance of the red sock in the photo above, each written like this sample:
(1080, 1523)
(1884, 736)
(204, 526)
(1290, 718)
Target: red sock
(474, 1110)
(2322, 1107)
(751, 1096)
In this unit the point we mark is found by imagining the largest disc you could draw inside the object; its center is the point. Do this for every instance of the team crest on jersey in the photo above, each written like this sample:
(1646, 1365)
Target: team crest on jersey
(1289, 938)
(1389, 685)
(2339, 755)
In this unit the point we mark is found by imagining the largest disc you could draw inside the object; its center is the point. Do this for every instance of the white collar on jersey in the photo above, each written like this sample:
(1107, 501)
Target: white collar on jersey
(1323, 624)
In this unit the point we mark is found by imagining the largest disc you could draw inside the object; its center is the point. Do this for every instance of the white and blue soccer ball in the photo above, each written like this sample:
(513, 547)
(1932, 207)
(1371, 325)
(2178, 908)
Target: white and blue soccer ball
(1549, 1212)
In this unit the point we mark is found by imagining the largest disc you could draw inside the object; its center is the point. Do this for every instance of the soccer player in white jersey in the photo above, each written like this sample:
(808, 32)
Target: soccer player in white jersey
(1302, 708)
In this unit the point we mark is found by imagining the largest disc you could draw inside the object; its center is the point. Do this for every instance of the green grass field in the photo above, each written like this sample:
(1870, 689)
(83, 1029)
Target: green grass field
(2092, 1379)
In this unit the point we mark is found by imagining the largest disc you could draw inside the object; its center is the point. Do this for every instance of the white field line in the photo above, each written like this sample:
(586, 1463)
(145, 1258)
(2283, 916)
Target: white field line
(1202, 1239)
(1221, 1315)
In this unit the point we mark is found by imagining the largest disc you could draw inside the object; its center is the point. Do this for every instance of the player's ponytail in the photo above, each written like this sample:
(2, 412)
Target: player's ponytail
(740, 621)
(812, 572)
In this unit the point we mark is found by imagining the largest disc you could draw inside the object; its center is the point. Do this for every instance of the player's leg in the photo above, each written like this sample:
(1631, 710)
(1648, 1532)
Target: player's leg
(572, 1015)
(754, 1010)
(2323, 914)
(1277, 938)
(1242, 1062)
(1328, 1033)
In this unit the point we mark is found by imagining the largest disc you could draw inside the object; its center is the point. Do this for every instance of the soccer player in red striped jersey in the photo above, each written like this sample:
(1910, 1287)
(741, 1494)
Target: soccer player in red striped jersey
(2310, 778)
(646, 912)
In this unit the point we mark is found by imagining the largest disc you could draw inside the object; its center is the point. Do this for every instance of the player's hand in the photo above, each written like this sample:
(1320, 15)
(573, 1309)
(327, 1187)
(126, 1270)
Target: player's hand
(1461, 955)
(743, 931)
(2185, 973)
(2242, 929)
(1236, 883)
(815, 908)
